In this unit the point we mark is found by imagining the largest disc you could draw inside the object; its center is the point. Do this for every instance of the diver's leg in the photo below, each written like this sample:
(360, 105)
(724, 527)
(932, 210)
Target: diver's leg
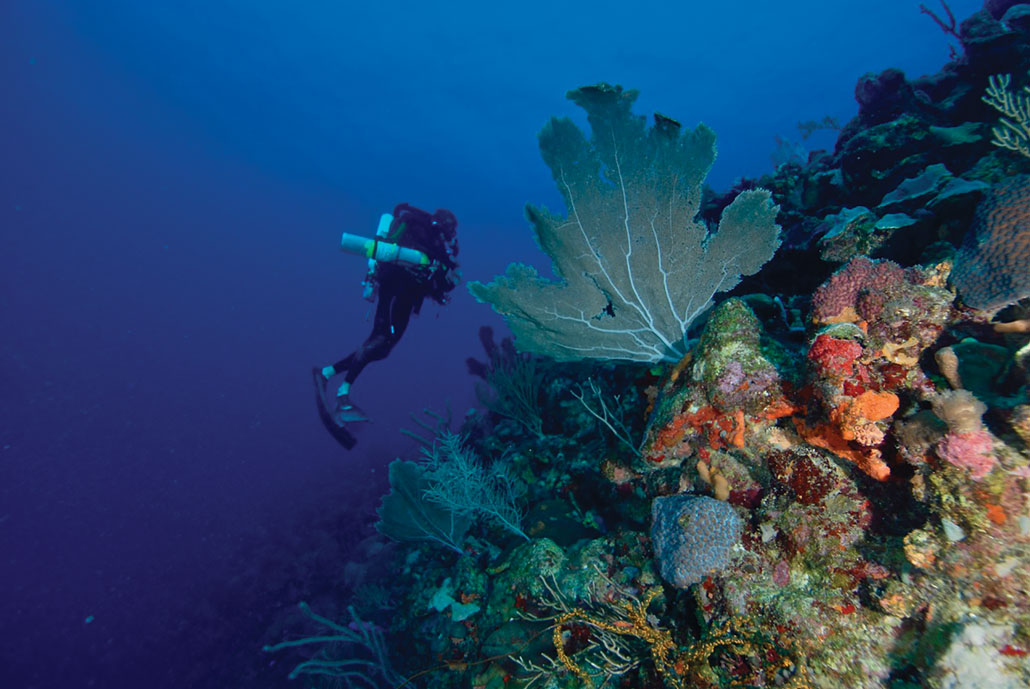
(372, 349)
(385, 336)
(353, 364)
(339, 367)
(400, 315)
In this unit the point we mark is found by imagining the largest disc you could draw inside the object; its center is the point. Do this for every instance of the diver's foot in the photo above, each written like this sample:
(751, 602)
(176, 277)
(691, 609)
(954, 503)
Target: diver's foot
(319, 377)
(347, 411)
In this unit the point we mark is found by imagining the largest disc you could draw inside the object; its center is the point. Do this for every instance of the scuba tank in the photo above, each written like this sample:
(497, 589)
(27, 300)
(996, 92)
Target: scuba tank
(375, 250)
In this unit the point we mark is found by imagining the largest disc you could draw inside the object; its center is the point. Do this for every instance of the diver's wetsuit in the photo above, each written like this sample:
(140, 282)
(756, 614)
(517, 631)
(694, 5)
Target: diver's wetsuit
(400, 295)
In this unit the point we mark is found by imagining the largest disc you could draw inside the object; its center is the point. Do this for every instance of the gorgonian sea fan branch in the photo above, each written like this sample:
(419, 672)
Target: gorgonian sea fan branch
(635, 264)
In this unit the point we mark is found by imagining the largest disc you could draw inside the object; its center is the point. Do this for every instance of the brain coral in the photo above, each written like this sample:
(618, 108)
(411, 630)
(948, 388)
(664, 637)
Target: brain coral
(992, 267)
(692, 536)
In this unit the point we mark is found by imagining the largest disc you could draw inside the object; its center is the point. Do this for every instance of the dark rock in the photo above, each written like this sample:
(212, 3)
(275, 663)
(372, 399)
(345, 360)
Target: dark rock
(849, 233)
(516, 637)
(998, 8)
(877, 158)
(990, 46)
(882, 97)
(553, 519)
(1018, 18)
(823, 189)
(939, 88)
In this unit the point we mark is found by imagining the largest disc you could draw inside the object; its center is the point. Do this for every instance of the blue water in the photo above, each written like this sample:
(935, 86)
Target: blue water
(173, 182)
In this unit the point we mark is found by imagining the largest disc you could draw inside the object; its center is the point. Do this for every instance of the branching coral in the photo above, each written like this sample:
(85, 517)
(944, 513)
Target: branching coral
(1013, 130)
(512, 382)
(461, 483)
(605, 641)
(352, 655)
(631, 622)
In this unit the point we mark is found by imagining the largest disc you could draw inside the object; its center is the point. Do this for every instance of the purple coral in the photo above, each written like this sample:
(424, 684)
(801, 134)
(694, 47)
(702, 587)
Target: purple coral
(844, 287)
(972, 451)
(693, 536)
(992, 267)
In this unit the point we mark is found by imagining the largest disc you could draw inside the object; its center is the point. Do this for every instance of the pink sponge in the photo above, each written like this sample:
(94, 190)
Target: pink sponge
(973, 451)
(847, 286)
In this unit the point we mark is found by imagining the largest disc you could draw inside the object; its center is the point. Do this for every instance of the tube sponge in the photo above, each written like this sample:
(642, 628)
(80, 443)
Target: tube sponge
(960, 410)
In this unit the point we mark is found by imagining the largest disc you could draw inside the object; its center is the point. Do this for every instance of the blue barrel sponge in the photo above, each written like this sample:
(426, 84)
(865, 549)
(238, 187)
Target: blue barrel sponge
(693, 536)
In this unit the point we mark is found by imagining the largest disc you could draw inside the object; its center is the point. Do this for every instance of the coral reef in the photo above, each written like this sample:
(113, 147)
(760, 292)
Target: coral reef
(825, 483)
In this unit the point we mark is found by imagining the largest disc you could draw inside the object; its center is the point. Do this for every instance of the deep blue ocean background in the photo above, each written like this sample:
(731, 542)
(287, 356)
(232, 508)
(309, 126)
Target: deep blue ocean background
(174, 178)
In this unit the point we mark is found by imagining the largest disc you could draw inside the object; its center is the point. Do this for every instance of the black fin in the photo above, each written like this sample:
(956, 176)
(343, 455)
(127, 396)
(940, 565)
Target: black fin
(341, 434)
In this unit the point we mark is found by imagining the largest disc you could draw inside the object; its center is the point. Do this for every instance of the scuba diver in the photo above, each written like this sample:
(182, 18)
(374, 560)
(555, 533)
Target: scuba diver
(411, 257)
